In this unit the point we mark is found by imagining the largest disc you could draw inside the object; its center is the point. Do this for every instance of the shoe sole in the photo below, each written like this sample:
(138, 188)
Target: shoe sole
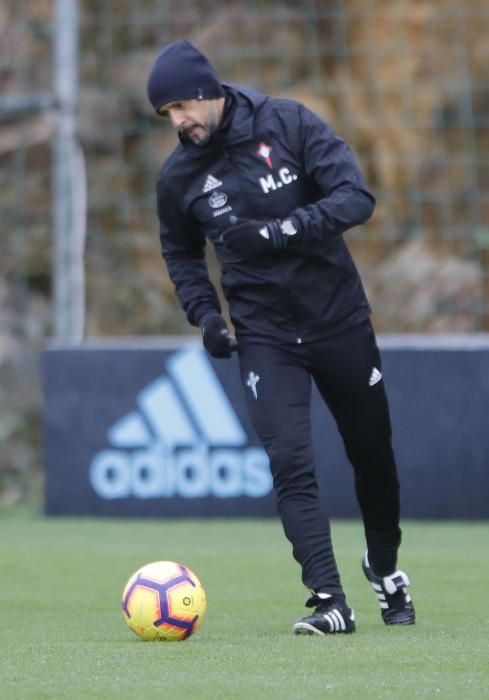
(400, 623)
(306, 628)
(405, 617)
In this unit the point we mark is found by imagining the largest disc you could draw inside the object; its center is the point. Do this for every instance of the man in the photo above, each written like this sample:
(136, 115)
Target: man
(273, 188)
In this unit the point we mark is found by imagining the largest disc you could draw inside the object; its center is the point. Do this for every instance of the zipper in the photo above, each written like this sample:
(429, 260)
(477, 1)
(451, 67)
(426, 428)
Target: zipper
(244, 195)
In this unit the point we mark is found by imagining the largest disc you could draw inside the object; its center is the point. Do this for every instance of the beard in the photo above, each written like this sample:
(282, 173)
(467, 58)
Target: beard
(206, 129)
(199, 138)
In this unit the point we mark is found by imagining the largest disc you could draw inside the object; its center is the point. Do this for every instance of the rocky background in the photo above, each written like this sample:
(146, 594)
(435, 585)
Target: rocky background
(404, 81)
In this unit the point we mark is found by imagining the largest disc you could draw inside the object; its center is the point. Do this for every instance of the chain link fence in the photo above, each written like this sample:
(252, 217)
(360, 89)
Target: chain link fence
(403, 81)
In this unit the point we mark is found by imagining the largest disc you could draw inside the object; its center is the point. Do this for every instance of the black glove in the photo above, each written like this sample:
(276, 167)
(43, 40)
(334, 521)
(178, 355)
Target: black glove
(246, 238)
(216, 338)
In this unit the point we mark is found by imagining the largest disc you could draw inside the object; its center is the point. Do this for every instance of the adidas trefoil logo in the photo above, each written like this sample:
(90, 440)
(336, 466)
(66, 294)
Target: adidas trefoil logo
(375, 377)
(211, 183)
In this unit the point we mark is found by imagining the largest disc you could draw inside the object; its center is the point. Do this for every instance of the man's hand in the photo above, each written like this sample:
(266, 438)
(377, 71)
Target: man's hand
(246, 238)
(216, 338)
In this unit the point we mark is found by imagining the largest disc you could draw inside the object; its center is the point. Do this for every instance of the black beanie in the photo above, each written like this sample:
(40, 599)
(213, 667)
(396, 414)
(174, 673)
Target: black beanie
(182, 72)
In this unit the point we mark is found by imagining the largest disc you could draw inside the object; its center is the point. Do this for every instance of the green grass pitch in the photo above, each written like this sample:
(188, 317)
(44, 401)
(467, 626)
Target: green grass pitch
(62, 634)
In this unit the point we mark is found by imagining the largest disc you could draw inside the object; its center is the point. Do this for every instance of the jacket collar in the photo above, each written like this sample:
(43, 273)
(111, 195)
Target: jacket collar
(240, 129)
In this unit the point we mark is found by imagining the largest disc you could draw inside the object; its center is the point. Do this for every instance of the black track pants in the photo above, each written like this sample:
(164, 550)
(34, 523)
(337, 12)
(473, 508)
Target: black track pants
(277, 384)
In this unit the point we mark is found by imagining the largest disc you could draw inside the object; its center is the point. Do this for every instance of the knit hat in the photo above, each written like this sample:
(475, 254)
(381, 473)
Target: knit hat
(182, 72)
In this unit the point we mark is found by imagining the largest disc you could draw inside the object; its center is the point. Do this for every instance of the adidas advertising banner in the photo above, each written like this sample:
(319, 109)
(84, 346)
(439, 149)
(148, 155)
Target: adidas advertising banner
(150, 432)
(144, 429)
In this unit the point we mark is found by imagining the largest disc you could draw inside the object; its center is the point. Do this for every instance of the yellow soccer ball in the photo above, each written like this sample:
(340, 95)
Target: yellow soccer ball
(164, 601)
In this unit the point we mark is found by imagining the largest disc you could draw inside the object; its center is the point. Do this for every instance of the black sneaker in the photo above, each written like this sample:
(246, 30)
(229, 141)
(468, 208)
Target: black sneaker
(331, 616)
(395, 602)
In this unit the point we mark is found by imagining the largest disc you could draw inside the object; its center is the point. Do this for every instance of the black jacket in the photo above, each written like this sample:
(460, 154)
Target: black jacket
(275, 158)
